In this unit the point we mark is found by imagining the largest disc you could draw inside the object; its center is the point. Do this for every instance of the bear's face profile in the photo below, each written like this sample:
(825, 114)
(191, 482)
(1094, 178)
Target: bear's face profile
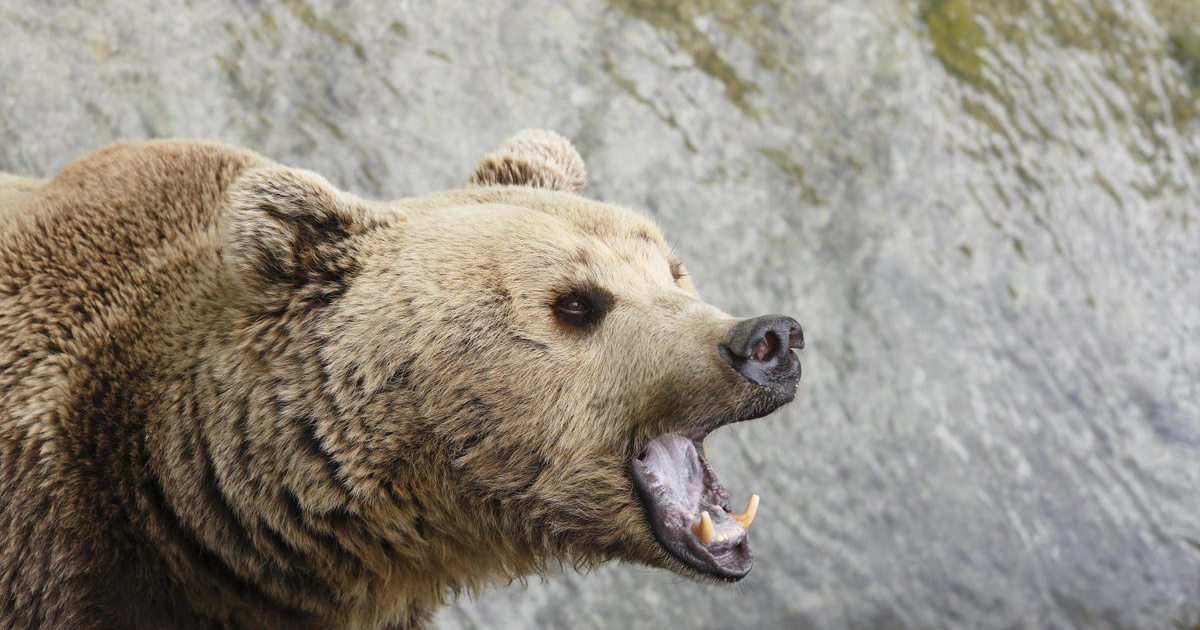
(512, 375)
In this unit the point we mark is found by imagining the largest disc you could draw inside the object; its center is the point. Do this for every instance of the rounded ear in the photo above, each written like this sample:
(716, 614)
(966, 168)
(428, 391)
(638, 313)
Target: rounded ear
(283, 234)
(534, 157)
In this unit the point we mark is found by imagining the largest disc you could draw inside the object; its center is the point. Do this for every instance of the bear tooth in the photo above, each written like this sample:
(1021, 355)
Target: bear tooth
(745, 518)
(704, 529)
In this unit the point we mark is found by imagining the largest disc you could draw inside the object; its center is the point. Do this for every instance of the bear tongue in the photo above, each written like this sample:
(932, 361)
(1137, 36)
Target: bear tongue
(688, 508)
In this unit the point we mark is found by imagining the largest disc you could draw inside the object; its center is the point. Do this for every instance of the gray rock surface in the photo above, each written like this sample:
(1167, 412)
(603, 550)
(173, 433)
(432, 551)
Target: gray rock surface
(986, 215)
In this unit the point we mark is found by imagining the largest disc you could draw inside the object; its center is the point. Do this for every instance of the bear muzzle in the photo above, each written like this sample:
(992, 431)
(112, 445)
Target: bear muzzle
(688, 509)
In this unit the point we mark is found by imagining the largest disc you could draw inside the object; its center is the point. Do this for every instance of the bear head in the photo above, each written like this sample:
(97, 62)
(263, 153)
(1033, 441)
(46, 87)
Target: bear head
(499, 378)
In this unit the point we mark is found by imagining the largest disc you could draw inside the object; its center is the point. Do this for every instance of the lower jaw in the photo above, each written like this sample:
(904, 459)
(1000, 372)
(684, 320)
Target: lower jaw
(688, 509)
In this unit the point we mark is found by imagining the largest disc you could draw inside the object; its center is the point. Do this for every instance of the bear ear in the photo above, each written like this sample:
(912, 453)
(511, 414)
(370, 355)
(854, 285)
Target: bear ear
(283, 232)
(534, 157)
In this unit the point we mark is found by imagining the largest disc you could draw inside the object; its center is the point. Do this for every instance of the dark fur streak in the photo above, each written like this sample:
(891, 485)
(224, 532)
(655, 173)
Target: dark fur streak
(531, 344)
(297, 514)
(219, 573)
(312, 443)
(471, 441)
(418, 524)
(242, 429)
(645, 236)
(217, 502)
(402, 374)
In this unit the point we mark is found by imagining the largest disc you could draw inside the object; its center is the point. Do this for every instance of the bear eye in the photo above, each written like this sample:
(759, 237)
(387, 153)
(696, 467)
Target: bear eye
(575, 307)
(582, 308)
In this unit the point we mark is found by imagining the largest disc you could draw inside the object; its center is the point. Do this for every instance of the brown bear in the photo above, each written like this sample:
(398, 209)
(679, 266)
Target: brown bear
(233, 396)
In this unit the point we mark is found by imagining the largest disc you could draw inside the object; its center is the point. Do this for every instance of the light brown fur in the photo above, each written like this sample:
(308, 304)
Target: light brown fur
(234, 396)
(15, 194)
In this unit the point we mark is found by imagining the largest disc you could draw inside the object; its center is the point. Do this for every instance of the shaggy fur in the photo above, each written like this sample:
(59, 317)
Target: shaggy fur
(232, 396)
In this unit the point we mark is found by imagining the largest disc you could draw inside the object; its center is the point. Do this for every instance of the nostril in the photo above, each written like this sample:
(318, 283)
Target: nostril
(766, 348)
(796, 337)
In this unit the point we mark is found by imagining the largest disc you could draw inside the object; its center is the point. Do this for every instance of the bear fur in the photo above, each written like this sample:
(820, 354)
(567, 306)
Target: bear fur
(233, 396)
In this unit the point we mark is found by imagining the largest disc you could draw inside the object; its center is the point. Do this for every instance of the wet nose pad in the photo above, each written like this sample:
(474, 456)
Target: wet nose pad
(760, 349)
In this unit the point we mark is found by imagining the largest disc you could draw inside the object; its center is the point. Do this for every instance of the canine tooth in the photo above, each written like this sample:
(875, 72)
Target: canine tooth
(704, 529)
(745, 518)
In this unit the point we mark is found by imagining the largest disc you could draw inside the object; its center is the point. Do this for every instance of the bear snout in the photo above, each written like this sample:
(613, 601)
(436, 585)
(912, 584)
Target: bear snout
(760, 349)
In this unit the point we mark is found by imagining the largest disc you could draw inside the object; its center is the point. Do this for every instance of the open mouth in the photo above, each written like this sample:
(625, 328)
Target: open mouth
(689, 509)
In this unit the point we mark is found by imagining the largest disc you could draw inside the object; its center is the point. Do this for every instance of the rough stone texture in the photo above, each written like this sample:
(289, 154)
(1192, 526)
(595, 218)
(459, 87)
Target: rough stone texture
(985, 214)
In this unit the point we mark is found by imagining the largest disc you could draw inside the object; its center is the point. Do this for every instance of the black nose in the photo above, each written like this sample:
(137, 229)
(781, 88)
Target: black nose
(760, 349)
